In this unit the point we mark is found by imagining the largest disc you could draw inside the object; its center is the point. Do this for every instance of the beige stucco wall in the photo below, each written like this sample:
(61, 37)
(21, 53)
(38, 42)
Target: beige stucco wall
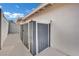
(65, 26)
(65, 29)
(4, 30)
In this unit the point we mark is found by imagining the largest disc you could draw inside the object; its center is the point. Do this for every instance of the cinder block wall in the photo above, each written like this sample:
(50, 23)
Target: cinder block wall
(13, 27)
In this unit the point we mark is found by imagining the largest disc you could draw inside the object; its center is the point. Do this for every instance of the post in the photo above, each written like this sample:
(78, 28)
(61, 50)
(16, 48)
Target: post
(36, 38)
(50, 27)
(29, 36)
(0, 28)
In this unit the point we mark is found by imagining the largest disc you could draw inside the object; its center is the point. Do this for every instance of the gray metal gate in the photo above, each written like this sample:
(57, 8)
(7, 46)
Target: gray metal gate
(43, 36)
(25, 35)
(21, 32)
(35, 36)
(32, 31)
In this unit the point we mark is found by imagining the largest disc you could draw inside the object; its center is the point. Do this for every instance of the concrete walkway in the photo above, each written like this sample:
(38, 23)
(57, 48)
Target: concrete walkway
(14, 47)
(51, 52)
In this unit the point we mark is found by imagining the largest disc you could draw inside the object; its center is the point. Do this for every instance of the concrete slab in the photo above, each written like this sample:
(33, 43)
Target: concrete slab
(14, 47)
(51, 52)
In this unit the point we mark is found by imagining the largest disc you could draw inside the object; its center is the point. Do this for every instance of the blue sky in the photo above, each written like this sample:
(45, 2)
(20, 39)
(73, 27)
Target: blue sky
(14, 10)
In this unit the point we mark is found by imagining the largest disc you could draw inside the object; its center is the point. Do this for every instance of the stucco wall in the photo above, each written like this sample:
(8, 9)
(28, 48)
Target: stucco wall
(65, 26)
(4, 29)
(13, 27)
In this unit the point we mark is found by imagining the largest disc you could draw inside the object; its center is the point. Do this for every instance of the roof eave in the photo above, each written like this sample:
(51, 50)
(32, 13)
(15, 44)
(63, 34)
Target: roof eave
(41, 6)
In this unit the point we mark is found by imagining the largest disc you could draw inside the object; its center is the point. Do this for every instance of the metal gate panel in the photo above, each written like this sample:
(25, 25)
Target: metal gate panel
(38, 34)
(42, 36)
(25, 35)
(21, 32)
(33, 37)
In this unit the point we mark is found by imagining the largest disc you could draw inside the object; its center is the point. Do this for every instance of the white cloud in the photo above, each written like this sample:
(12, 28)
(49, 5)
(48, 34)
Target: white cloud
(16, 15)
(13, 15)
(28, 11)
(17, 6)
(7, 13)
(0, 6)
(33, 9)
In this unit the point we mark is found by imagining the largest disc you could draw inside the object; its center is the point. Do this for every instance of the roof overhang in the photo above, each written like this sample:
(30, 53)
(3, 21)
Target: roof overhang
(25, 18)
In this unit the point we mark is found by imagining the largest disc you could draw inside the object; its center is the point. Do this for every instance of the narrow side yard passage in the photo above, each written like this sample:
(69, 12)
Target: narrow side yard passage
(14, 47)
